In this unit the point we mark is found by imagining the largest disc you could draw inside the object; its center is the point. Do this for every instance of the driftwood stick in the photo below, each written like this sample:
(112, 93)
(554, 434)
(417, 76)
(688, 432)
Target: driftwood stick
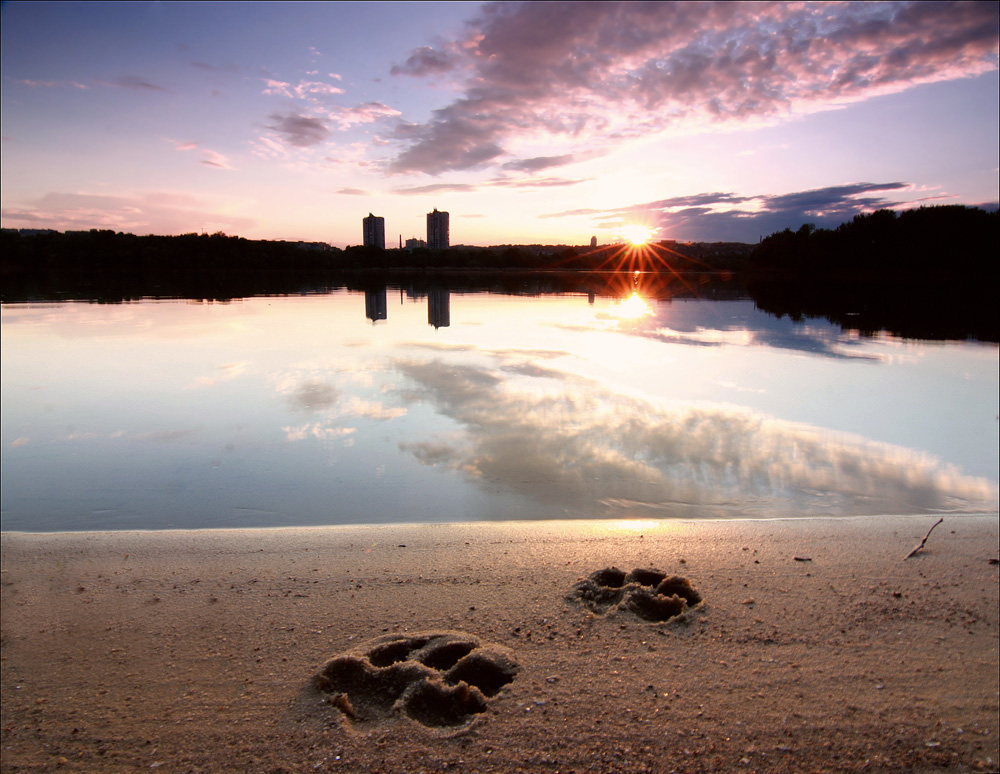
(922, 542)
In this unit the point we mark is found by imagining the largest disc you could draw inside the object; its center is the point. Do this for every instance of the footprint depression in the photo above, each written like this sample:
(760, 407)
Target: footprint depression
(439, 679)
(650, 594)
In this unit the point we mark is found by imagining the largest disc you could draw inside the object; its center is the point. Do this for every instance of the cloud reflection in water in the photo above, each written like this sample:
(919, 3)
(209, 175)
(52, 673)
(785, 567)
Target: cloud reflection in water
(576, 447)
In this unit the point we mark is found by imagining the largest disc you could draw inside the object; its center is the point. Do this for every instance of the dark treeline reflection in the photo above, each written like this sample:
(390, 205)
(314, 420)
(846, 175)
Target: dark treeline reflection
(928, 273)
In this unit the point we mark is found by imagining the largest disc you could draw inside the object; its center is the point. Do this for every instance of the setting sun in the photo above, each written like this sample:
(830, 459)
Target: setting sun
(636, 234)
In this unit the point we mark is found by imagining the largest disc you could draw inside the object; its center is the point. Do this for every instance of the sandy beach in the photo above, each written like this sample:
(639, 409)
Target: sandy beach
(815, 647)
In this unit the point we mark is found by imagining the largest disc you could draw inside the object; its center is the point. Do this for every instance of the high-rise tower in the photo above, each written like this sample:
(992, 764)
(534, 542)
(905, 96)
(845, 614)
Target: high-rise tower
(374, 227)
(437, 230)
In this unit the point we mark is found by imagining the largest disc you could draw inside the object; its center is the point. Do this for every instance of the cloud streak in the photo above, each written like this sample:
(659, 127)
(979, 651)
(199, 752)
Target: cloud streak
(137, 83)
(209, 157)
(598, 72)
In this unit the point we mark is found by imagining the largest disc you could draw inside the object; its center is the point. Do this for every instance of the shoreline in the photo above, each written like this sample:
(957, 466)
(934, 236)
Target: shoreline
(560, 525)
(816, 647)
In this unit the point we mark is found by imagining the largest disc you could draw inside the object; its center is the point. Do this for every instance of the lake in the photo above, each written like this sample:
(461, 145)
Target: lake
(393, 405)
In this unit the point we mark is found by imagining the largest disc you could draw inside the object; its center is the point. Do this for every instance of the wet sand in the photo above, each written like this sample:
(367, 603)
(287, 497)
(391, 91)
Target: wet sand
(816, 647)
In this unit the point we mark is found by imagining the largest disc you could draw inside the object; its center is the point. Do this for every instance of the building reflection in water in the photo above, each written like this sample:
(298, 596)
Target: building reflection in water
(376, 307)
(439, 308)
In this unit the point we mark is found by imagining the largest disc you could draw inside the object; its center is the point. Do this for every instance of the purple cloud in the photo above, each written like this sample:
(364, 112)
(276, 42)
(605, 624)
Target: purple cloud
(539, 163)
(210, 68)
(426, 61)
(618, 69)
(436, 188)
(137, 83)
(726, 217)
(51, 84)
(298, 130)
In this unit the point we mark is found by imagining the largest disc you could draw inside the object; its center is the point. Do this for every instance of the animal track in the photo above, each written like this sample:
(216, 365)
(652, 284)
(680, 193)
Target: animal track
(437, 678)
(649, 594)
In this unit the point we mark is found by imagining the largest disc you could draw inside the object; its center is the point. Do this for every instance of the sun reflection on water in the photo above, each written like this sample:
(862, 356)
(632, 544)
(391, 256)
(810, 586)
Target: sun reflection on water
(637, 525)
(632, 308)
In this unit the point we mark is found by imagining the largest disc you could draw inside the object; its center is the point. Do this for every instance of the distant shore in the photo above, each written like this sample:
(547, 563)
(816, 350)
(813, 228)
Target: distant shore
(817, 647)
(927, 273)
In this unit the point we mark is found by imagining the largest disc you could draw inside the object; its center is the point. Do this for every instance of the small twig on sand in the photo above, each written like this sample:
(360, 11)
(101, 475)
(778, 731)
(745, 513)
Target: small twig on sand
(922, 542)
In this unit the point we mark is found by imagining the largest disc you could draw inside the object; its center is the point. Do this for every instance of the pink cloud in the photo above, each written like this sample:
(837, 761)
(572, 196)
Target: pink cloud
(144, 212)
(575, 68)
(362, 114)
(215, 159)
(52, 84)
(303, 90)
(209, 157)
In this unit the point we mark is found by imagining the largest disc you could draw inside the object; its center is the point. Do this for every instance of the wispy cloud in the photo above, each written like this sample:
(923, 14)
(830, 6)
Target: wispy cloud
(539, 163)
(500, 182)
(210, 68)
(536, 182)
(215, 159)
(224, 373)
(301, 90)
(51, 84)
(366, 113)
(587, 71)
(137, 83)
(436, 188)
(209, 157)
(131, 82)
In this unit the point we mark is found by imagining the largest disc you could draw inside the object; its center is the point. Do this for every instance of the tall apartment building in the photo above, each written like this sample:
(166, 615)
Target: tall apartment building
(374, 228)
(437, 230)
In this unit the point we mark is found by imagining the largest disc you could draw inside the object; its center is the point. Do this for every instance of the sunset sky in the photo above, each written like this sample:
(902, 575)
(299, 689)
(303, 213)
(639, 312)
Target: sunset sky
(535, 122)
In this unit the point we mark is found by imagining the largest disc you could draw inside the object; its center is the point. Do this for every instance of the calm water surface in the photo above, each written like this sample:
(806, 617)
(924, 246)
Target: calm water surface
(393, 407)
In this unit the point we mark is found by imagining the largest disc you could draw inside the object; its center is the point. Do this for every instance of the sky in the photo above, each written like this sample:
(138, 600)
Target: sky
(528, 122)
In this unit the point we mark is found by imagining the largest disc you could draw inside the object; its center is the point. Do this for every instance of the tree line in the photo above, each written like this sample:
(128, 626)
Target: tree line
(925, 273)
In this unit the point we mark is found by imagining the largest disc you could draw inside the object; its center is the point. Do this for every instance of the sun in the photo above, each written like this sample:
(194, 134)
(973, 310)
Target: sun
(636, 234)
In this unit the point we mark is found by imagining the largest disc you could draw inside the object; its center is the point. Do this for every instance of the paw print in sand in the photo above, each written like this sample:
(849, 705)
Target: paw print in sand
(438, 678)
(650, 594)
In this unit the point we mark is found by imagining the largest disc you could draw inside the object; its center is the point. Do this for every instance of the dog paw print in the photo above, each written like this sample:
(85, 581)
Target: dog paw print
(439, 679)
(649, 594)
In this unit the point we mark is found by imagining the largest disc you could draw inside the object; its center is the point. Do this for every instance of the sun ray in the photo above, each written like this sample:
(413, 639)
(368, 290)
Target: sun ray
(649, 269)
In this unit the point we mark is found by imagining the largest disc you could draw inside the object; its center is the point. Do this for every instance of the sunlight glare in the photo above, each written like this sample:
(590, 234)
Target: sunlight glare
(636, 234)
(637, 525)
(633, 307)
